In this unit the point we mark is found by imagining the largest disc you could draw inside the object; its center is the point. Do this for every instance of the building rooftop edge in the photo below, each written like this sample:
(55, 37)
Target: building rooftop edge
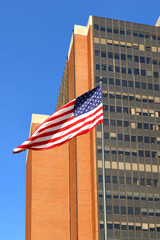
(38, 118)
(80, 30)
(158, 22)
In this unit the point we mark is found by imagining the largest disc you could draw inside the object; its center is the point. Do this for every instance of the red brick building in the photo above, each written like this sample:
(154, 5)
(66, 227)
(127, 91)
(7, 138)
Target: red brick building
(64, 197)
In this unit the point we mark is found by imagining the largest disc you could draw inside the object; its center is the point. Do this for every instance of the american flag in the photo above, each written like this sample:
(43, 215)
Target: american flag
(77, 117)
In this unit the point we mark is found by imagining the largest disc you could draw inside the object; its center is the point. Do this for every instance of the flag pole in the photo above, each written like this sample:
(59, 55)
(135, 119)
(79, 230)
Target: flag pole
(103, 174)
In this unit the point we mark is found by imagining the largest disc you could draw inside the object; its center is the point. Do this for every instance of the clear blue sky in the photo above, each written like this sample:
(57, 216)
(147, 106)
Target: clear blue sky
(34, 41)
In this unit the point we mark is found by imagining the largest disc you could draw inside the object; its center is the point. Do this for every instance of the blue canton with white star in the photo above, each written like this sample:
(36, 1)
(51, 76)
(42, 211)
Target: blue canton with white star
(88, 101)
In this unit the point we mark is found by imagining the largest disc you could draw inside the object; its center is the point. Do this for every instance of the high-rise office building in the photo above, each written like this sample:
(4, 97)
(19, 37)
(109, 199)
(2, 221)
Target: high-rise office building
(64, 197)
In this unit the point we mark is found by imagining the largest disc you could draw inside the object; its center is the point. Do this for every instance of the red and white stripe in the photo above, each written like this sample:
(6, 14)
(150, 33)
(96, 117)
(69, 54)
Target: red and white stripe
(62, 126)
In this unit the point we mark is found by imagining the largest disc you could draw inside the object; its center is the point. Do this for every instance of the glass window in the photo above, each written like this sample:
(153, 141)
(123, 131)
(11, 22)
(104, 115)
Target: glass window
(100, 178)
(123, 56)
(136, 58)
(110, 55)
(118, 96)
(114, 179)
(104, 79)
(111, 95)
(140, 153)
(128, 180)
(113, 122)
(119, 109)
(128, 32)
(137, 211)
(116, 210)
(115, 196)
(138, 228)
(118, 82)
(125, 98)
(147, 35)
(120, 137)
(141, 35)
(117, 69)
(154, 154)
(155, 182)
(144, 213)
(154, 62)
(125, 110)
(101, 225)
(142, 59)
(122, 31)
(148, 60)
(143, 198)
(139, 125)
(107, 179)
(149, 182)
(109, 209)
(130, 210)
(109, 30)
(143, 72)
(142, 181)
(103, 67)
(103, 54)
(129, 71)
(156, 87)
(143, 85)
(96, 52)
(126, 124)
(122, 197)
(111, 81)
(127, 153)
(109, 226)
(129, 57)
(96, 27)
(147, 153)
(148, 48)
(124, 83)
(115, 30)
(131, 98)
(106, 122)
(124, 227)
(135, 34)
(155, 74)
(123, 71)
(135, 180)
(134, 154)
(146, 126)
(105, 95)
(137, 84)
(153, 37)
(136, 71)
(150, 87)
(144, 100)
(106, 135)
(130, 83)
(121, 180)
(126, 137)
(116, 226)
(110, 68)
(116, 55)
(120, 153)
(105, 107)
(146, 139)
(102, 29)
(123, 210)
(133, 138)
(108, 196)
(97, 66)
(119, 123)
